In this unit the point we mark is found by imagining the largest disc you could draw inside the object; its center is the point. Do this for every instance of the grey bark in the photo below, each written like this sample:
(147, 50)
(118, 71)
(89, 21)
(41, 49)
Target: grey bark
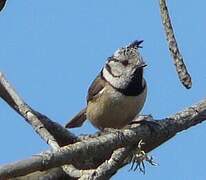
(181, 69)
(94, 146)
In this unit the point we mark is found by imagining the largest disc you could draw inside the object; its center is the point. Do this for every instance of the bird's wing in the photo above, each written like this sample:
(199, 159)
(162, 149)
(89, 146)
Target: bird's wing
(97, 85)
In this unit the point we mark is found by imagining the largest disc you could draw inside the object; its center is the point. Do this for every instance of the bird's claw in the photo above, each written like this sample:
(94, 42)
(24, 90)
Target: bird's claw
(138, 158)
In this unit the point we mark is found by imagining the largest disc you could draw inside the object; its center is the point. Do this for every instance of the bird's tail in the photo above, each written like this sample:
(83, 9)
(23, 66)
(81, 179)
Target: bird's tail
(77, 120)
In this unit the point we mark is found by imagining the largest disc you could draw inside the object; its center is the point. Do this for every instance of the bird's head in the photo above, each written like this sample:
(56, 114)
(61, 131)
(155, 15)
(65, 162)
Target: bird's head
(122, 65)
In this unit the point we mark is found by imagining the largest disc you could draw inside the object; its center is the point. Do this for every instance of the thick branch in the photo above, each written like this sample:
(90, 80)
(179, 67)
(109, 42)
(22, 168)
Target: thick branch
(162, 131)
(181, 69)
(51, 174)
(110, 167)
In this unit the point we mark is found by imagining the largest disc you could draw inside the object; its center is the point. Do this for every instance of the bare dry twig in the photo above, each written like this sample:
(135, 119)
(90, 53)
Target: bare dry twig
(181, 69)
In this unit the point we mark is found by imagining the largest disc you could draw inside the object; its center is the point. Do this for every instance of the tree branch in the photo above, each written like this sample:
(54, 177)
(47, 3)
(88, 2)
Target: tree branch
(51, 132)
(109, 167)
(162, 131)
(181, 69)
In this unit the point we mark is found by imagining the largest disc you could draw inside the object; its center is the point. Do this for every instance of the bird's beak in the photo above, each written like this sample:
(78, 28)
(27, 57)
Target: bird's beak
(135, 44)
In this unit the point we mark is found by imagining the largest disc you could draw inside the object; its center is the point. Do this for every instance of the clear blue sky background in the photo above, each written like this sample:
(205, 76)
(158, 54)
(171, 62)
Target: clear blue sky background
(51, 51)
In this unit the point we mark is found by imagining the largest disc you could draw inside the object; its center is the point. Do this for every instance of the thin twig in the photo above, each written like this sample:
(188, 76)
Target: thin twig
(181, 69)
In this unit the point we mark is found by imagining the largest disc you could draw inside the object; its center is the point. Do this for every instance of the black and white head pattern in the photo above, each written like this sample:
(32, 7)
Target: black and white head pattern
(123, 65)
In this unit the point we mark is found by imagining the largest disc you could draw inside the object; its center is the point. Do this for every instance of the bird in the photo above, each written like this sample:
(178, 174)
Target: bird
(118, 93)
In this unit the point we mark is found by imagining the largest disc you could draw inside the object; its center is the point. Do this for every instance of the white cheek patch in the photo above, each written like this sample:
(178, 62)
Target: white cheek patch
(116, 69)
(116, 72)
(108, 76)
(117, 82)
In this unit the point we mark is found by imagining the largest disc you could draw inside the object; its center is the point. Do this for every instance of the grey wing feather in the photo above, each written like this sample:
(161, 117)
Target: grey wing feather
(97, 85)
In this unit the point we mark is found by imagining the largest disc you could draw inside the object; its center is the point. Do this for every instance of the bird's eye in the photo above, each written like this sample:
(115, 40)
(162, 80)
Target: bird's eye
(125, 63)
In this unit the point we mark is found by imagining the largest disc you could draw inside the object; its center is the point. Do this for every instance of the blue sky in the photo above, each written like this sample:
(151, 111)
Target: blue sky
(52, 51)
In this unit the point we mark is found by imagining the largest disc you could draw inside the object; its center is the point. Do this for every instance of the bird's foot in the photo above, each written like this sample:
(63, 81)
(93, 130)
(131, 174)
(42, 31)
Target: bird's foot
(138, 158)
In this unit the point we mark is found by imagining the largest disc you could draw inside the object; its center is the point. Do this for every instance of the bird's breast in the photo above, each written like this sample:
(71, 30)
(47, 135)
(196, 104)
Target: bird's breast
(112, 109)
